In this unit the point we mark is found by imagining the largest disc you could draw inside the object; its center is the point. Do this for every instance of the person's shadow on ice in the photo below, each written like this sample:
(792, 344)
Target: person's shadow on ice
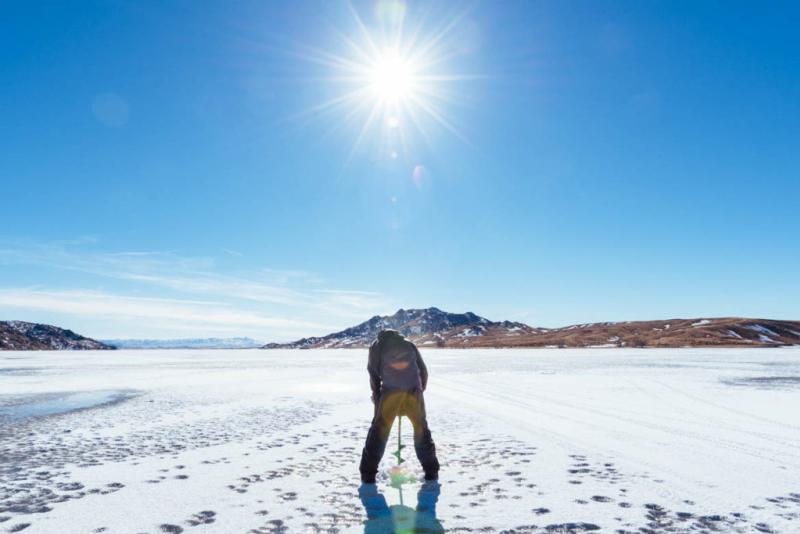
(385, 519)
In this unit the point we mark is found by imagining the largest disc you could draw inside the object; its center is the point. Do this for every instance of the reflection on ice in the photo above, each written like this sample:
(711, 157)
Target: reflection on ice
(385, 519)
(68, 402)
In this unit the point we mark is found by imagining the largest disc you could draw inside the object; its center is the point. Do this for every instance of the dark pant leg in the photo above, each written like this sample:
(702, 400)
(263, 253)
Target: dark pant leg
(414, 409)
(386, 410)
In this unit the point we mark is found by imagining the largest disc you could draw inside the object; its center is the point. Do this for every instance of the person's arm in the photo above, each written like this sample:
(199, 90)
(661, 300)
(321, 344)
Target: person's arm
(423, 371)
(373, 367)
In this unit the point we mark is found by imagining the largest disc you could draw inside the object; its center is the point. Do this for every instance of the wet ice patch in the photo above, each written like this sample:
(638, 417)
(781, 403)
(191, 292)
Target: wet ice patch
(18, 371)
(766, 382)
(42, 406)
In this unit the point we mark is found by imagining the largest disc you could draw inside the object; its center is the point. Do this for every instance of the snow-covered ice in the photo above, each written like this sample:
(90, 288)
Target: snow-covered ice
(606, 440)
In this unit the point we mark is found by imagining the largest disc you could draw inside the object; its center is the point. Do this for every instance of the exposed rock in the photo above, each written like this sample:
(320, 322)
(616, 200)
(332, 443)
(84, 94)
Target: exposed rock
(19, 335)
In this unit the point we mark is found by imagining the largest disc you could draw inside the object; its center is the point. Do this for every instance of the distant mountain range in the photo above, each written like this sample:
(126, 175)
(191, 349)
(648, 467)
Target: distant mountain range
(19, 335)
(432, 327)
(437, 328)
(189, 343)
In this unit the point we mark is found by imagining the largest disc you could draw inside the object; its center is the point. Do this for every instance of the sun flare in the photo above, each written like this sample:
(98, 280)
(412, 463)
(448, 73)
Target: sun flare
(394, 91)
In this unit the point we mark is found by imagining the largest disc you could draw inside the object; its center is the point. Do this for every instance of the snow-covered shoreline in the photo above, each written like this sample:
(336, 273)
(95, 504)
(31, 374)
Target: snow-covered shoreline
(531, 440)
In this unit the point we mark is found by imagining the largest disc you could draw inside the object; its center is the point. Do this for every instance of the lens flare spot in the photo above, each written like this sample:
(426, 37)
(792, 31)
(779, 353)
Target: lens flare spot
(390, 12)
(419, 174)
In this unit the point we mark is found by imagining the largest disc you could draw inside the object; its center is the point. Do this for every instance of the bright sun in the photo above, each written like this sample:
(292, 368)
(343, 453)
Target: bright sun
(391, 78)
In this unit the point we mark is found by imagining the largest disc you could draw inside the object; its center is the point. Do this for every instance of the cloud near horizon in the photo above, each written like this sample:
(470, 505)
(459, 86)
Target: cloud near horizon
(161, 294)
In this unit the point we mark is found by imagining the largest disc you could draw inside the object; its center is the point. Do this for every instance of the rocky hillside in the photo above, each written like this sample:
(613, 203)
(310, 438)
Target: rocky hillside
(722, 332)
(429, 326)
(434, 327)
(19, 335)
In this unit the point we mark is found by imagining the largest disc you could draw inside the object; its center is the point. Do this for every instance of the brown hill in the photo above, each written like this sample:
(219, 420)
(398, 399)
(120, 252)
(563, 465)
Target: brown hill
(719, 332)
(436, 328)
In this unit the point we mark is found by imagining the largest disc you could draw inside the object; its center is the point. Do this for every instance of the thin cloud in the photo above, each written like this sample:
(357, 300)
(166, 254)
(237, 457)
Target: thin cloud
(204, 296)
(181, 314)
(192, 276)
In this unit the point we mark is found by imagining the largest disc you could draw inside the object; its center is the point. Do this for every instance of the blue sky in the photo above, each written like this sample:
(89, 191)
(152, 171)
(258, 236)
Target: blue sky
(170, 169)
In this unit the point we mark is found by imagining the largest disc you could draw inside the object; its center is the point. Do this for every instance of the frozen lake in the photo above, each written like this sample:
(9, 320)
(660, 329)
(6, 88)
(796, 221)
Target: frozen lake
(232, 441)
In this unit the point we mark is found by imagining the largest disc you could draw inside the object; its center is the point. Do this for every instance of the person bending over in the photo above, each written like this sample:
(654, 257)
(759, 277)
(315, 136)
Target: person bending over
(398, 377)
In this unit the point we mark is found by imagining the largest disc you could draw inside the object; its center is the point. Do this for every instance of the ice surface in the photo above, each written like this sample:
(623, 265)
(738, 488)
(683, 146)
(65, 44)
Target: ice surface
(610, 440)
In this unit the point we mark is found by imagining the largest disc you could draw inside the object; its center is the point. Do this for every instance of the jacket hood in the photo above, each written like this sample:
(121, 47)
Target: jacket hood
(388, 333)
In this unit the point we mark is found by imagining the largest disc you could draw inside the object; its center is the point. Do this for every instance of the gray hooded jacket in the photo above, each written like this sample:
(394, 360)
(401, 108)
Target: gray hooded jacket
(395, 364)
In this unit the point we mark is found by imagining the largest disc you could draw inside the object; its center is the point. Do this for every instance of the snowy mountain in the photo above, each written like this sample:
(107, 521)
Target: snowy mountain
(189, 343)
(428, 326)
(19, 335)
(434, 327)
